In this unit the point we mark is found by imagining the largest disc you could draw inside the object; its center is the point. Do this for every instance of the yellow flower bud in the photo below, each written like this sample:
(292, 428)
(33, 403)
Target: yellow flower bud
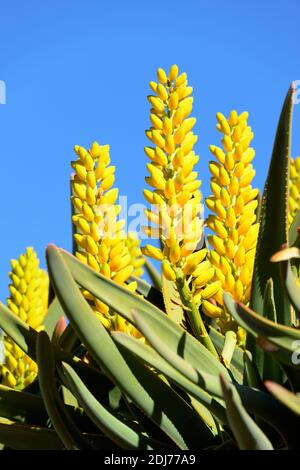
(161, 75)
(173, 73)
(167, 271)
(157, 103)
(173, 101)
(161, 92)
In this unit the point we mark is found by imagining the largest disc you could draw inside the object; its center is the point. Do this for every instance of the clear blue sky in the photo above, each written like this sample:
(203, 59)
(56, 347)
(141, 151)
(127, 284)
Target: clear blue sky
(78, 71)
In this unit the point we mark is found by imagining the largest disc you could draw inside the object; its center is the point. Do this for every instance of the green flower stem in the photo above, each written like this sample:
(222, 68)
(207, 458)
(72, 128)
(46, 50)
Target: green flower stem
(196, 321)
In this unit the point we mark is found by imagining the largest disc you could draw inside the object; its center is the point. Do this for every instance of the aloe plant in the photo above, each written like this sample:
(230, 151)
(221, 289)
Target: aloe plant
(171, 368)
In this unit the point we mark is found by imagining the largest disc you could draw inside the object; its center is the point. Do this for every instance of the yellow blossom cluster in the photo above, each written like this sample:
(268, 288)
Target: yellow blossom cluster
(233, 205)
(100, 238)
(29, 301)
(175, 216)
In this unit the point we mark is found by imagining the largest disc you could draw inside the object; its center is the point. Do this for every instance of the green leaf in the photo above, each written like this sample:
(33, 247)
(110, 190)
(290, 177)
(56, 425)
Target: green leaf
(28, 437)
(153, 274)
(16, 404)
(122, 434)
(289, 281)
(289, 399)
(252, 377)
(237, 361)
(53, 314)
(157, 331)
(19, 331)
(271, 368)
(147, 391)
(228, 348)
(172, 301)
(124, 302)
(63, 424)
(273, 231)
(280, 340)
(255, 401)
(150, 293)
(148, 355)
(248, 435)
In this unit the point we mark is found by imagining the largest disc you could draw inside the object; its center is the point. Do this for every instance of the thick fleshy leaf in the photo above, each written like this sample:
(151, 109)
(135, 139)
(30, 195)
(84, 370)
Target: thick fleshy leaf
(248, 435)
(172, 301)
(25, 337)
(289, 399)
(148, 355)
(252, 377)
(16, 404)
(19, 331)
(279, 340)
(124, 302)
(63, 424)
(52, 316)
(273, 231)
(271, 368)
(157, 334)
(237, 361)
(255, 401)
(172, 414)
(28, 437)
(228, 348)
(289, 281)
(153, 274)
(150, 293)
(122, 434)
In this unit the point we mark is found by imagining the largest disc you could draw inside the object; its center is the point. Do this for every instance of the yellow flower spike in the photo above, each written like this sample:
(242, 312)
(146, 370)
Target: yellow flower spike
(28, 301)
(176, 190)
(100, 241)
(233, 206)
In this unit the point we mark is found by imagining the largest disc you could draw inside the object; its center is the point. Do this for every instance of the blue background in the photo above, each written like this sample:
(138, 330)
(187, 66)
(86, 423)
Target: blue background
(78, 71)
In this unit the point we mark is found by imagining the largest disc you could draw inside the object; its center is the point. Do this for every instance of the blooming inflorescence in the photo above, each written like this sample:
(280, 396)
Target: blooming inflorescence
(99, 235)
(29, 301)
(233, 205)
